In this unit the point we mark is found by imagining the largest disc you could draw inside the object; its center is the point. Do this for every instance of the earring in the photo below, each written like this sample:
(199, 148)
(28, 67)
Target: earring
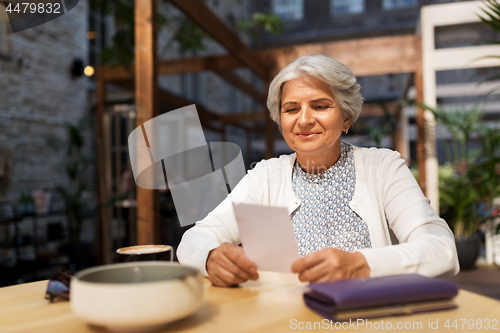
(347, 130)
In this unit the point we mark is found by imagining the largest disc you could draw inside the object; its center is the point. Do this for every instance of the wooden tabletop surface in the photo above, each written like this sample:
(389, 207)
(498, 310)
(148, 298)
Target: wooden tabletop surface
(272, 304)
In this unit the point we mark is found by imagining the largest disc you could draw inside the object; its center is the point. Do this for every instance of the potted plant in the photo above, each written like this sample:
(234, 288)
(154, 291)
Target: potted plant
(75, 188)
(485, 171)
(485, 176)
(457, 202)
(470, 181)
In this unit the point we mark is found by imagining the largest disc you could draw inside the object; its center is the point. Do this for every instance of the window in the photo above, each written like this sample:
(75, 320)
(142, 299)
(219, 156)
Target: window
(289, 10)
(394, 4)
(347, 7)
(97, 36)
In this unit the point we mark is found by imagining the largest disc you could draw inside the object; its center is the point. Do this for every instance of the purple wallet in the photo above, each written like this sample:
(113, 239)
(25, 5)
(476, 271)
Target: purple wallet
(381, 296)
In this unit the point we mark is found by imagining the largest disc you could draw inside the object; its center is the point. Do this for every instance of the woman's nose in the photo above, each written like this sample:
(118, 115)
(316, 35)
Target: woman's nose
(306, 116)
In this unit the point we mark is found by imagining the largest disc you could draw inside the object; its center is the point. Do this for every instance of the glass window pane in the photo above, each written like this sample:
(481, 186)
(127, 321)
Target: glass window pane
(289, 10)
(347, 7)
(393, 4)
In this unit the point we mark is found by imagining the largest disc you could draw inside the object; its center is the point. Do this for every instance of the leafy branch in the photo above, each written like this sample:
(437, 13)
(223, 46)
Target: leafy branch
(189, 37)
(76, 166)
(267, 22)
(377, 129)
(491, 18)
(472, 178)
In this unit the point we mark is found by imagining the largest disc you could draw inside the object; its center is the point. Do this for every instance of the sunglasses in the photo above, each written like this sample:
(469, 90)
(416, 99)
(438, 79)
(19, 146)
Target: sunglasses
(58, 287)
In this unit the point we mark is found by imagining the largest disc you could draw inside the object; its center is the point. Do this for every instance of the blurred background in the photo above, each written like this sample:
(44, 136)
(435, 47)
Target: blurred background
(428, 70)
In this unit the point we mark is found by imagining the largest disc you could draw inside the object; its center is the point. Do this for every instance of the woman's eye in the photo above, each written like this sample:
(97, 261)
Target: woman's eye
(291, 110)
(321, 107)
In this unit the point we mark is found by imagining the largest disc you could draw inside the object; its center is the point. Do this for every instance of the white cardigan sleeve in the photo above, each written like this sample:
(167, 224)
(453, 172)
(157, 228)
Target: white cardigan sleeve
(220, 225)
(427, 245)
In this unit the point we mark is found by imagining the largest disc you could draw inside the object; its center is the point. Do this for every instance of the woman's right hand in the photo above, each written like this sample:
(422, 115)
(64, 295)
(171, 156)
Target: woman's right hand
(227, 266)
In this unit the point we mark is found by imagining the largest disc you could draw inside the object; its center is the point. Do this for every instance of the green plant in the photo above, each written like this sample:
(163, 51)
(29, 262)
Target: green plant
(378, 128)
(491, 17)
(492, 12)
(472, 176)
(461, 124)
(268, 22)
(457, 193)
(458, 200)
(76, 165)
(189, 37)
(485, 171)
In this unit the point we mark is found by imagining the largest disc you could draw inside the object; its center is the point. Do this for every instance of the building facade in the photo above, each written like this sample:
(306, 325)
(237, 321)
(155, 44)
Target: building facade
(317, 21)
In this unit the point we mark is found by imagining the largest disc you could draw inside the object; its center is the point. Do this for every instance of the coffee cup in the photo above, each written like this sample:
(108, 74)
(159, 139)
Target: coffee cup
(145, 253)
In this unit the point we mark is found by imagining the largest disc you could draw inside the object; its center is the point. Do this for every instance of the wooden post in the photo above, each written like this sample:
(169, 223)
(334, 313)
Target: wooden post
(398, 136)
(401, 136)
(249, 146)
(419, 87)
(103, 229)
(146, 100)
(269, 128)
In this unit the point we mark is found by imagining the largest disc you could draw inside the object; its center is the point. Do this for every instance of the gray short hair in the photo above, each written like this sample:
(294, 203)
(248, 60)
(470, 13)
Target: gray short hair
(342, 81)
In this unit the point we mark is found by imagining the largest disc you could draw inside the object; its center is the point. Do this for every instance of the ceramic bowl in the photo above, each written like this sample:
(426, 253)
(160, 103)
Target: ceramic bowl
(136, 296)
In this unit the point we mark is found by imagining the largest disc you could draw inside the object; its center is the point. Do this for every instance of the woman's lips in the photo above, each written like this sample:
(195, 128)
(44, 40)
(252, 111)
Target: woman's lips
(307, 135)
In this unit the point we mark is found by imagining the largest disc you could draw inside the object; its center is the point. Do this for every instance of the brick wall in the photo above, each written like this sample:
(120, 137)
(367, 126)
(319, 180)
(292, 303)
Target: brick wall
(38, 95)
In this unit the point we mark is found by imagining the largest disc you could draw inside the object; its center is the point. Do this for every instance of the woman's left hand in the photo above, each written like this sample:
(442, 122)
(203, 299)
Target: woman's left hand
(331, 264)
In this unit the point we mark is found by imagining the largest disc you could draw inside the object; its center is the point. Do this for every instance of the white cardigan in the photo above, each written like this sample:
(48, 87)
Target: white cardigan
(386, 195)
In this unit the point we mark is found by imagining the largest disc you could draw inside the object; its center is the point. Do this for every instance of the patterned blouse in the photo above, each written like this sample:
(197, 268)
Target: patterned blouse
(324, 218)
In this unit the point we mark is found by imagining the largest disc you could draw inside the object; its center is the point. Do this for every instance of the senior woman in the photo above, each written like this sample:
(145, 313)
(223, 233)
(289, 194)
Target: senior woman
(343, 200)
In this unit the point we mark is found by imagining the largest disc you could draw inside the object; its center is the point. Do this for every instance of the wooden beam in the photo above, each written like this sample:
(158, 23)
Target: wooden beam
(249, 146)
(402, 143)
(375, 110)
(398, 141)
(111, 74)
(365, 56)
(202, 15)
(368, 56)
(147, 107)
(104, 231)
(269, 134)
(420, 119)
(181, 66)
(178, 66)
(238, 82)
(270, 129)
(206, 117)
(242, 117)
(198, 64)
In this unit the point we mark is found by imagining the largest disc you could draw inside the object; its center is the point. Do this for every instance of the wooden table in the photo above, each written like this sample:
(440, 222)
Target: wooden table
(272, 304)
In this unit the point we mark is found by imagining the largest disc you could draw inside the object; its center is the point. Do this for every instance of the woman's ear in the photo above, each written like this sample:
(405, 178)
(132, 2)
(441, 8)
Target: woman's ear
(347, 123)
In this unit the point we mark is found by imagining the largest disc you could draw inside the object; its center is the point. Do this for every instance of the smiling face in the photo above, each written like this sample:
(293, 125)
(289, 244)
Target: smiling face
(311, 121)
